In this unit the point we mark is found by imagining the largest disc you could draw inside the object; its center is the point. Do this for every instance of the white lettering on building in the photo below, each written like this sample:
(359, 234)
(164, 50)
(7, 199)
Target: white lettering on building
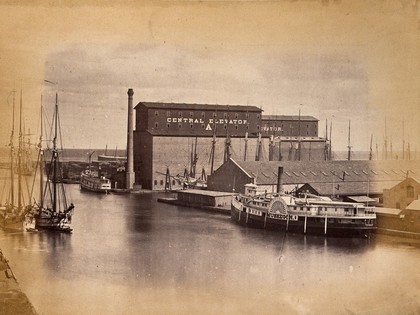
(210, 121)
(266, 128)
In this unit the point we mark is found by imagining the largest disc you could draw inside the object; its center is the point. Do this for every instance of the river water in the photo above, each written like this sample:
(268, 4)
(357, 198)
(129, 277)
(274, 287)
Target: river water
(129, 254)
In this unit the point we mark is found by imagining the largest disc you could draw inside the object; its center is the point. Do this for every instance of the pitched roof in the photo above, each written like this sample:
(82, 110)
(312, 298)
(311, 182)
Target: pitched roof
(297, 172)
(186, 106)
(406, 181)
(362, 199)
(415, 205)
(392, 211)
(357, 175)
(350, 188)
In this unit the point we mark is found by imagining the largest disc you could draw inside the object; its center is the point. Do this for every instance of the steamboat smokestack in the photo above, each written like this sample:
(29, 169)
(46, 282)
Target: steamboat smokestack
(130, 168)
(279, 180)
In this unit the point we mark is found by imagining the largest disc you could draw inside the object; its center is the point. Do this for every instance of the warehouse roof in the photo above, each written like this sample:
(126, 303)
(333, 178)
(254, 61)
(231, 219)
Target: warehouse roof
(300, 172)
(213, 107)
(391, 211)
(348, 177)
(289, 117)
(348, 188)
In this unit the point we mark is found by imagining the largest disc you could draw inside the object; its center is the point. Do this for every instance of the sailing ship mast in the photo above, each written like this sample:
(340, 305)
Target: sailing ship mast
(246, 145)
(330, 147)
(213, 147)
(41, 162)
(403, 144)
(194, 158)
(299, 140)
(349, 146)
(12, 162)
(227, 152)
(370, 150)
(326, 141)
(20, 156)
(55, 154)
(258, 151)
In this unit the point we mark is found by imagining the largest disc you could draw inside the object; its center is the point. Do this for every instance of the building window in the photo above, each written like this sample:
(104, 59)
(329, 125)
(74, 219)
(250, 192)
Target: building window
(246, 115)
(155, 182)
(156, 125)
(203, 114)
(258, 116)
(168, 113)
(247, 127)
(191, 126)
(236, 115)
(168, 125)
(156, 113)
(203, 126)
(180, 114)
(214, 114)
(225, 115)
(161, 182)
(225, 126)
(236, 127)
(191, 114)
(410, 192)
(173, 182)
(179, 126)
(258, 127)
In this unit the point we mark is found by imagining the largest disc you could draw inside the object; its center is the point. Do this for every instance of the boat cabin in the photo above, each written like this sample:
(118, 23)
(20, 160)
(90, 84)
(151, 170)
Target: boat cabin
(253, 190)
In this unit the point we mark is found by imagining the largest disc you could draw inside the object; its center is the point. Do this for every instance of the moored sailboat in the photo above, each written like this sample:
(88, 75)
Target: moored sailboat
(14, 209)
(54, 211)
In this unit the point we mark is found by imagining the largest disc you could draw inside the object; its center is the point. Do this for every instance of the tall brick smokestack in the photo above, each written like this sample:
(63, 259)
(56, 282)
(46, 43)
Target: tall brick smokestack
(130, 167)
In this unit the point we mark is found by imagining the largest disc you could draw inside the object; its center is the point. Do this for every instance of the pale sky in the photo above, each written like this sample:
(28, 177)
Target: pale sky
(335, 60)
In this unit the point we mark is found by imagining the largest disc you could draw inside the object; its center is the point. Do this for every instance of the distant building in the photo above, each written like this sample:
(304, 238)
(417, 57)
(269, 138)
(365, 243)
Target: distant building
(399, 222)
(293, 138)
(191, 138)
(402, 194)
(289, 126)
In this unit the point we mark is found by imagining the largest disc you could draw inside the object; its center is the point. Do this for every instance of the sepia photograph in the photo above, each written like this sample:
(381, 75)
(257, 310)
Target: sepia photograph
(209, 157)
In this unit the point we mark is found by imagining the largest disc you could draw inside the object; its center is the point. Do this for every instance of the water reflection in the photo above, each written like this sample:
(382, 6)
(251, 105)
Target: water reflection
(127, 251)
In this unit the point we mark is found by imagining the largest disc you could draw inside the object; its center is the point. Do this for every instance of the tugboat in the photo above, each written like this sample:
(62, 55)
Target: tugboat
(305, 214)
(54, 212)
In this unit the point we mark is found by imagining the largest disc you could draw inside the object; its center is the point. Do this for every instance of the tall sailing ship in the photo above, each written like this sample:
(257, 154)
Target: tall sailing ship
(308, 214)
(17, 203)
(54, 211)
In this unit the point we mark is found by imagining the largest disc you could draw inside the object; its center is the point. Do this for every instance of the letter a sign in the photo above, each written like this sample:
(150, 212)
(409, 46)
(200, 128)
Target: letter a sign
(208, 127)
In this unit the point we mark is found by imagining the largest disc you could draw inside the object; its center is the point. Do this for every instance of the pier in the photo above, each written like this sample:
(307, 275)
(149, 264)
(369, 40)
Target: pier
(215, 201)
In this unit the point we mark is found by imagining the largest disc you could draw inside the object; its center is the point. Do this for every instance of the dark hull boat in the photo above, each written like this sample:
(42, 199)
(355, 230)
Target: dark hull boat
(54, 212)
(51, 220)
(308, 215)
